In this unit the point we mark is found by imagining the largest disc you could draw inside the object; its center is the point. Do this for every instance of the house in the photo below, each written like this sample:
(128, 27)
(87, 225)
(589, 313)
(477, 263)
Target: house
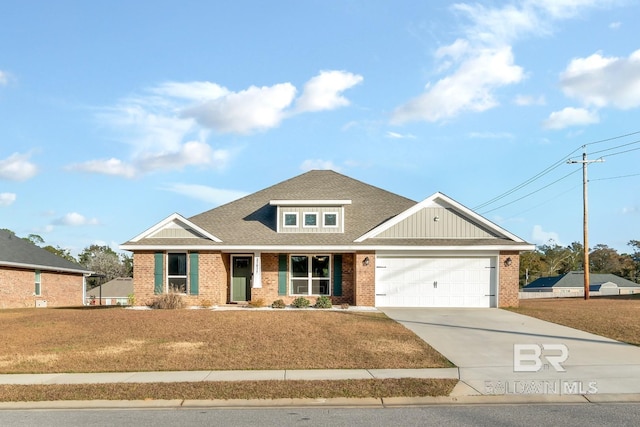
(323, 233)
(114, 292)
(572, 284)
(34, 277)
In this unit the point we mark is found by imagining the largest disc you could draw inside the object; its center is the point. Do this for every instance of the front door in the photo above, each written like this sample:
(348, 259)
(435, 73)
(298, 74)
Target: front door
(241, 279)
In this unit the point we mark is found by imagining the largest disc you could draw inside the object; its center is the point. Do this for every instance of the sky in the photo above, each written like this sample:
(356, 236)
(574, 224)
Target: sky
(116, 114)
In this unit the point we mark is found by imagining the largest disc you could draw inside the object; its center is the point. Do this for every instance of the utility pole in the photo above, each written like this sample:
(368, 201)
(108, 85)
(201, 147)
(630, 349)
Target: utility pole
(585, 210)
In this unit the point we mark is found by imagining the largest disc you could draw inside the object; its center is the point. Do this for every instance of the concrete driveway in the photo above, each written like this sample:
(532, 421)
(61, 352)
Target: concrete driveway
(500, 352)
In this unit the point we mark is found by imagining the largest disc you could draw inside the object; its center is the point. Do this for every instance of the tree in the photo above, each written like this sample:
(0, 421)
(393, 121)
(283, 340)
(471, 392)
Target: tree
(103, 261)
(35, 239)
(63, 253)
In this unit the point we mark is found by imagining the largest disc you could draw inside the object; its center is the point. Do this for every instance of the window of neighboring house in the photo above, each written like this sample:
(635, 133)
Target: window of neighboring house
(37, 290)
(177, 272)
(330, 219)
(310, 220)
(290, 219)
(310, 275)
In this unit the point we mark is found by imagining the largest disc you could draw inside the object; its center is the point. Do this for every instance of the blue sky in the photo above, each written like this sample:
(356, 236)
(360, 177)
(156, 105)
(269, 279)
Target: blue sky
(114, 114)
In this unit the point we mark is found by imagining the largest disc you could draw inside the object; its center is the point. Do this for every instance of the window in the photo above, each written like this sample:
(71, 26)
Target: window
(290, 219)
(310, 219)
(310, 275)
(330, 220)
(37, 290)
(177, 272)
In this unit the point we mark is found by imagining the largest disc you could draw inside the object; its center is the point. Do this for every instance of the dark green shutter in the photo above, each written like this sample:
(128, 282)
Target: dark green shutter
(337, 275)
(282, 274)
(193, 273)
(158, 272)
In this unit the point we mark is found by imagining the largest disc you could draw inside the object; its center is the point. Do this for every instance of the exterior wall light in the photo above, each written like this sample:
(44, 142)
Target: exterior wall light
(507, 262)
(365, 261)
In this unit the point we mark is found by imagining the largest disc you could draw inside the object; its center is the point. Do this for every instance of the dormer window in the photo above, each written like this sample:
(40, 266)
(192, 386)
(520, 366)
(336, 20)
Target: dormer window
(310, 219)
(310, 216)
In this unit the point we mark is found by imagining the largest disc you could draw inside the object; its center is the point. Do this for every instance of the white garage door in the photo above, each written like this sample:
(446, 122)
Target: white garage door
(435, 282)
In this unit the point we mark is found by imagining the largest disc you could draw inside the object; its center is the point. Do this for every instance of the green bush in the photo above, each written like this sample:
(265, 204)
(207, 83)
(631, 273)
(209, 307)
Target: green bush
(131, 298)
(301, 302)
(323, 302)
(278, 304)
(170, 301)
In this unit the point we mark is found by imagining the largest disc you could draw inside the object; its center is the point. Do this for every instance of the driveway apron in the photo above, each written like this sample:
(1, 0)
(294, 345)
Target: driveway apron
(501, 352)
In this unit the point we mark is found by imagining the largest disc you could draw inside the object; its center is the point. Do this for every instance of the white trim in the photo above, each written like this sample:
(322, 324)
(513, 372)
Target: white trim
(168, 220)
(435, 199)
(257, 271)
(304, 219)
(310, 276)
(284, 220)
(232, 258)
(309, 202)
(332, 248)
(324, 220)
(44, 268)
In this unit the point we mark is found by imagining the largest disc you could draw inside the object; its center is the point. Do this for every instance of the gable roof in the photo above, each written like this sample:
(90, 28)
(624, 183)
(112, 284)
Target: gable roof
(250, 223)
(575, 279)
(21, 253)
(120, 287)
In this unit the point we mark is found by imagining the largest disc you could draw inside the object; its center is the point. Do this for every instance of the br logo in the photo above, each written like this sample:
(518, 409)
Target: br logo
(529, 357)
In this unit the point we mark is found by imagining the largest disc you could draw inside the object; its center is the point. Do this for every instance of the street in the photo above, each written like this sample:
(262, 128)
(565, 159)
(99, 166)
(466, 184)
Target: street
(620, 414)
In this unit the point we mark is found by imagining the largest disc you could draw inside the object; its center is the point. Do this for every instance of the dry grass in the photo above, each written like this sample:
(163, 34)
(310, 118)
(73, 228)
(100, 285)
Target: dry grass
(230, 390)
(115, 339)
(613, 317)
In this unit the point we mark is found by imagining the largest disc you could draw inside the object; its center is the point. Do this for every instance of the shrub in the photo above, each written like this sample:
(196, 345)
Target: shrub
(278, 304)
(344, 306)
(257, 303)
(323, 302)
(131, 298)
(170, 301)
(205, 303)
(301, 302)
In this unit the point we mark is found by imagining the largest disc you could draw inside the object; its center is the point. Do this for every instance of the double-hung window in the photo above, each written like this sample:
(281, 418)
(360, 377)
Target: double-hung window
(177, 272)
(310, 275)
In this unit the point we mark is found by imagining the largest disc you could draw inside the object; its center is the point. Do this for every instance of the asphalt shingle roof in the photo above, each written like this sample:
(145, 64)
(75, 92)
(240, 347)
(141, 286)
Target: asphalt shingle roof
(575, 279)
(17, 252)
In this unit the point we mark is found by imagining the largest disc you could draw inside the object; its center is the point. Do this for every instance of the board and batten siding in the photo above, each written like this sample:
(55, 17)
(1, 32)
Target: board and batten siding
(435, 222)
(171, 233)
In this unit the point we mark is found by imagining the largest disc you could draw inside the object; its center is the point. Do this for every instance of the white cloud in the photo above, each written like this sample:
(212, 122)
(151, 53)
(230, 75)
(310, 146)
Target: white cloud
(210, 195)
(114, 167)
(526, 100)
(197, 91)
(314, 164)
(604, 81)
(631, 210)
(615, 25)
(7, 199)
(570, 117)
(75, 219)
(323, 92)
(244, 112)
(4, 78)
(396, 135)
(17, 167)
(482, 62)
(469, 88)
(538, 235)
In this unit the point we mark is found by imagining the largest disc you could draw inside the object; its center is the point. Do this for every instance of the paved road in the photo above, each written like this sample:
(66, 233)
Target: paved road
(481, 343)
(441, 415)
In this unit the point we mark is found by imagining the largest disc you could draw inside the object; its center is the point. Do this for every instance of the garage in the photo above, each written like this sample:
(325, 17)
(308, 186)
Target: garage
(421, 281)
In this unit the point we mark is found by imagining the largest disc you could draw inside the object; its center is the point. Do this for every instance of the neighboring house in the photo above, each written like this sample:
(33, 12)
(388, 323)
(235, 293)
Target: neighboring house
(114, 292)
(34, 277)
(572, 284)
(323, 233)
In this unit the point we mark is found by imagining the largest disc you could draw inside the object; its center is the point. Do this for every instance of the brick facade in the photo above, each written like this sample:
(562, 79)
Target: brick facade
(365, 274)
(509, 284)
(17, 288)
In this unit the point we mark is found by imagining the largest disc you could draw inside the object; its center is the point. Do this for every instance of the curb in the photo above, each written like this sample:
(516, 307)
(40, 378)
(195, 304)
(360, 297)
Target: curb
(386, 402)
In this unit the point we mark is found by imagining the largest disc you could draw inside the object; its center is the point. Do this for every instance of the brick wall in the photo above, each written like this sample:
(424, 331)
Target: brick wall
(57, 289)
(509, 279)
(365, 283)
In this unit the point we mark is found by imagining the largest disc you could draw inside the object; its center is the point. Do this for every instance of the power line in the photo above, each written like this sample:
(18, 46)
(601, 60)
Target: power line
(615, 177)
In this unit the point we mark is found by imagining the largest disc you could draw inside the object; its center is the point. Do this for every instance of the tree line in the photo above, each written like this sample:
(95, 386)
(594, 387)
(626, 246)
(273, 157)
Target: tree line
(553, 260)
(101, 259)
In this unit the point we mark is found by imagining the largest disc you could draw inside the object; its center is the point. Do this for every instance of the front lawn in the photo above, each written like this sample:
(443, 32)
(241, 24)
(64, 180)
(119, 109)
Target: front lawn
(617, 318)
(116, 339)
